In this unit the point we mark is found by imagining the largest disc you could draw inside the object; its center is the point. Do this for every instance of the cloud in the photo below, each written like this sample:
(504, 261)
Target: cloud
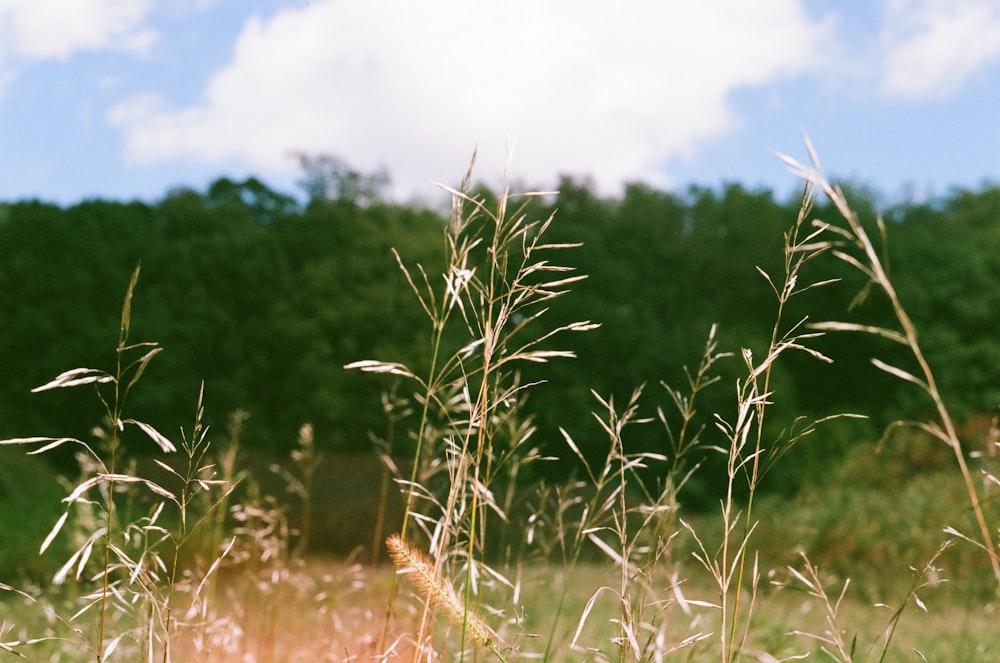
(57, 30)
(612, 90)
(932, 47)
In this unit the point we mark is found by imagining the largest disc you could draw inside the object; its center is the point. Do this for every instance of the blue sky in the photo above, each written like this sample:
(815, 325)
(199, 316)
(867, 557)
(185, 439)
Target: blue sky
(127, 99)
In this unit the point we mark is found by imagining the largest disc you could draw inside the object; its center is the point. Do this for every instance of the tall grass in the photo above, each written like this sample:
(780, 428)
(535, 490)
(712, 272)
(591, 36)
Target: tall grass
(132, 533)
(612, 510)
(497, 289)
(605, 566)
(857, 249)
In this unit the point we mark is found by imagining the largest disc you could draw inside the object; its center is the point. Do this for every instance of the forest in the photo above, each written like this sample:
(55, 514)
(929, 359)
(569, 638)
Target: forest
(264, 297)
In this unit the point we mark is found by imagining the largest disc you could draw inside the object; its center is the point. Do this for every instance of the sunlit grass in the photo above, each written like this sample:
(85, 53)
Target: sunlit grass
(170, 562)
(331, 611)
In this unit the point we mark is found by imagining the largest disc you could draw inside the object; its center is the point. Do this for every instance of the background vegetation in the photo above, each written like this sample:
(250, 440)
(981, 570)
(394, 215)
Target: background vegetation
(266, 299)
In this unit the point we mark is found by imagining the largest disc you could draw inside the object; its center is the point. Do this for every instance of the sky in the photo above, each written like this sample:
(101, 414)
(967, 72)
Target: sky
(130, 99)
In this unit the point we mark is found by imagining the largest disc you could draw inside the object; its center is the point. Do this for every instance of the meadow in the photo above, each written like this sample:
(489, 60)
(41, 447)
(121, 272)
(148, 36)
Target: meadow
(453, 546)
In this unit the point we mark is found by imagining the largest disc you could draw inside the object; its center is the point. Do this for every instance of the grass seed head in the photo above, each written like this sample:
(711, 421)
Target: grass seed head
(438, 590)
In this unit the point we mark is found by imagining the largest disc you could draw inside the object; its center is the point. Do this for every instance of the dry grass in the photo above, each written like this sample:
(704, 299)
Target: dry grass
(605, 568)
(331, 611)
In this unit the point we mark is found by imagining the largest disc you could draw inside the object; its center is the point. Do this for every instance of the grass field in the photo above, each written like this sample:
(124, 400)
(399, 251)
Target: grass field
(890, 555)
(334, 611)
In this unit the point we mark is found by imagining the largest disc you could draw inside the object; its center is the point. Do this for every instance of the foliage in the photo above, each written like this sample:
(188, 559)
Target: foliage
(267, 299)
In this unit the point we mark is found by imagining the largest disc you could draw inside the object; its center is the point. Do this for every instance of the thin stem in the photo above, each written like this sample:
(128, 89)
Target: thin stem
(414, 472)
(756, 393)
(943, 415)
(107, 549)
(910, 332)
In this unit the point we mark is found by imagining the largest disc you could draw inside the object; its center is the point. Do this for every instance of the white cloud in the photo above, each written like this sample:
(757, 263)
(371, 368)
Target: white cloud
(56, 29)
(609, 89)
(932, 47)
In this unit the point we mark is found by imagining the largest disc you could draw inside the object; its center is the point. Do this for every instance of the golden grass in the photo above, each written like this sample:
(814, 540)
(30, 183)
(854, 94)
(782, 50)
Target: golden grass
(438, 591)
(603, 569)
(330, 610)
(337, 622)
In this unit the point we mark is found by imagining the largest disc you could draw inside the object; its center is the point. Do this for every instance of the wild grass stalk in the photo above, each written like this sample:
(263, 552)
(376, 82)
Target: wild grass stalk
(440, 593)
(497, 288)
(299, 479)
(835, 642)
(439, 311)
(635, 525)
(138, 558)
(852, 244)
(634, 578)
(748, 451)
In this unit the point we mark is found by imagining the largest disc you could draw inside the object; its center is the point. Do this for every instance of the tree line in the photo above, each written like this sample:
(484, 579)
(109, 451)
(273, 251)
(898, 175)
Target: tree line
(265, 299)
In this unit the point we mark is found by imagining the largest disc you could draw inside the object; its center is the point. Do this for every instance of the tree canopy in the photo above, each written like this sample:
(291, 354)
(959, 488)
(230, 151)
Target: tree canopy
(265, 299)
